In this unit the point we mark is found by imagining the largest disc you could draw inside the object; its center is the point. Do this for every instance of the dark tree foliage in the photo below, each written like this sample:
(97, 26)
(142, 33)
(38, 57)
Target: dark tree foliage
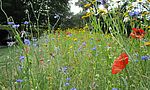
(74, 21)
(14, 8)
(35, 9)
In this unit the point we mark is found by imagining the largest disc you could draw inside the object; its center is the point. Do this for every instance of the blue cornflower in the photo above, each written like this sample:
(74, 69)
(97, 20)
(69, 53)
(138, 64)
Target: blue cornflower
(114, 88)
(64, 69)
(66, 84)
(134, 13)
(102, 1)
(73, 89)
(10, 23)
(19, 80)
(145, 57)
(67, 79)
(21, 58)
(84, 43)
(26, 23)
(15, 26)
(131, 13)
(94, 48)
(26, 41)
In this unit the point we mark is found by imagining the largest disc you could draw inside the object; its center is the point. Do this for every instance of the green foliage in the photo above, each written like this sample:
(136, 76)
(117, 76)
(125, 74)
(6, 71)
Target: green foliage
(72, 21)
(34, 10)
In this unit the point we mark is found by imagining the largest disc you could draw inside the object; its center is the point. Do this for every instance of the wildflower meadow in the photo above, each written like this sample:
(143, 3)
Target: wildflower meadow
(109, 50)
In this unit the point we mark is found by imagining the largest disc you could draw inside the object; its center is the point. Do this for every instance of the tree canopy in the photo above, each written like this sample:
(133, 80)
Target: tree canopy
(23, 10)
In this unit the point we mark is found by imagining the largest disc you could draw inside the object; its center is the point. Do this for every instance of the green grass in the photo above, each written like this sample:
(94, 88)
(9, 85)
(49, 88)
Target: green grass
(58, 57)
(7, 65)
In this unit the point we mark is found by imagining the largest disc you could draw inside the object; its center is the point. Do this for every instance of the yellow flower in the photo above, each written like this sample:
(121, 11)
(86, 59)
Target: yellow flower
(148, 27)
(144, 13)
(102, 10)
(126, 14)
(75, 39)
(85, 27)
(83, 31)
(88, 14)
(87, 5)
(93, 1)
(91, 9)
(148, 0)
(107, 35)
(83, 17)
(70, 47)
(139, 0)
(147, 43)
(130, 7)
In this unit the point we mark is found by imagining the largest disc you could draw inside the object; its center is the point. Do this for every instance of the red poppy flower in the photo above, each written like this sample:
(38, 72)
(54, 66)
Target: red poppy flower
(137, 33)
(120, 63)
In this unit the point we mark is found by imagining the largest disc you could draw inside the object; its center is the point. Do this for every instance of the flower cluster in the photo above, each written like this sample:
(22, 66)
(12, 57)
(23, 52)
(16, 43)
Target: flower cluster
(137, 33)
(134, 13)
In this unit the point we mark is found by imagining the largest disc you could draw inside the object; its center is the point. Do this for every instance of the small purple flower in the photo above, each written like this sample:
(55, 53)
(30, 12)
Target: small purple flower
(131, 13)
(66, 84)
(84, 43)
(15, 26)
(134, 13)
(26, 41)
(67, 79)
(21, 58)
(94, 48)
(10, 23)
(73, 89)
(64, 69)
(26, 23)
(145, 57)
(114, 88)
(19, 80)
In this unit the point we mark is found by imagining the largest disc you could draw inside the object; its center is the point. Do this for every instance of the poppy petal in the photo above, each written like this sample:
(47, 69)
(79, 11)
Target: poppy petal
(134, 29)
(120, 63)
